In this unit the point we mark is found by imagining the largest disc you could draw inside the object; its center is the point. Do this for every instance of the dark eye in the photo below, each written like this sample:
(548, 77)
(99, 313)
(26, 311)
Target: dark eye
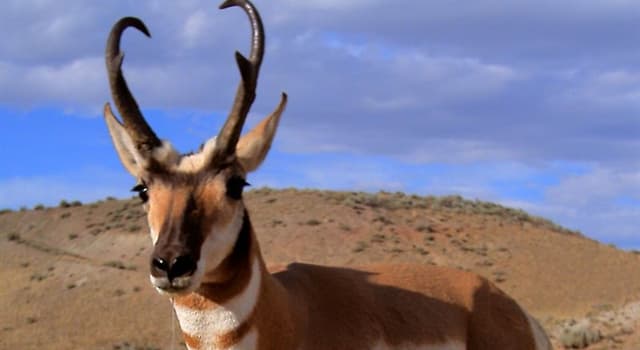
(235, 184)
(143, 191)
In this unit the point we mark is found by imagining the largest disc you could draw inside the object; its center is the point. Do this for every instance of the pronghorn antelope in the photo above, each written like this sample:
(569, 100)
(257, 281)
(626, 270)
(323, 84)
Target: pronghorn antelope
(206, 257)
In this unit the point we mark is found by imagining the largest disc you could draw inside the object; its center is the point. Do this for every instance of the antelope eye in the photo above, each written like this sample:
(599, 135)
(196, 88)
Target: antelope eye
(235, 184)
(143, 191)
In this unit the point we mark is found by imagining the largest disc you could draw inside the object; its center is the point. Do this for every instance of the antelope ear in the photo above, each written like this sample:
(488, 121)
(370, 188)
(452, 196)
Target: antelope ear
(129, 155)
(252, 148)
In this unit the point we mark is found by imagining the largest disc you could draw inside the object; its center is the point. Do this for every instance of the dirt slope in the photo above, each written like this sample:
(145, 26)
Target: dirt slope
(75, 277)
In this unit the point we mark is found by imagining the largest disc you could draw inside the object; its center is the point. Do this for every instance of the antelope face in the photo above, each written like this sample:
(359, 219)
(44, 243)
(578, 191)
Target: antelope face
(193, 202)
(194, 219)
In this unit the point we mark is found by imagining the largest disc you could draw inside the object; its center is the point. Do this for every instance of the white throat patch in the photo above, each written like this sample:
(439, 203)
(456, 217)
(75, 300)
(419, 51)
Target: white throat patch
(219, 244)
(207, 324)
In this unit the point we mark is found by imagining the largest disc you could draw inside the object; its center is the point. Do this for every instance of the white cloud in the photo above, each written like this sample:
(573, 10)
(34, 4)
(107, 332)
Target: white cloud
(590, 202)
(610, 89)
(84, 77)
(450, 79)
(596, 187)
(418, 66)
(455, 151)
(70, 84)
(194, 28)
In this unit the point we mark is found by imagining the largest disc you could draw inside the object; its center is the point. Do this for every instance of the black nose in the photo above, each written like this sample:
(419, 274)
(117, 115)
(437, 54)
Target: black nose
(180, 266)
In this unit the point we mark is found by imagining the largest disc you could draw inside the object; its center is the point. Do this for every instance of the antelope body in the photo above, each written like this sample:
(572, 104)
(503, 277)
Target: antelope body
(207, 259)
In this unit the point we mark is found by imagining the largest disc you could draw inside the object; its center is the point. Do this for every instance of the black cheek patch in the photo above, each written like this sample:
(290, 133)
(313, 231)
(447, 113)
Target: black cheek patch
(234, 187)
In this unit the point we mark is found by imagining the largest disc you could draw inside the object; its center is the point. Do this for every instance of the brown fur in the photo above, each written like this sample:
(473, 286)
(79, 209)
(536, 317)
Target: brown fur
(317, 307)
(399, 305)
(191, 341)
(183, 209)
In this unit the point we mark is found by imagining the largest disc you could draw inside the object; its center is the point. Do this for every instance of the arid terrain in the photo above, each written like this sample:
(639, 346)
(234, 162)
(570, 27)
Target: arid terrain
(75, 276)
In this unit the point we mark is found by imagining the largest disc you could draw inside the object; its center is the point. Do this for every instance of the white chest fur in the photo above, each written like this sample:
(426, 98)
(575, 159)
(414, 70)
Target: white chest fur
(210, 324)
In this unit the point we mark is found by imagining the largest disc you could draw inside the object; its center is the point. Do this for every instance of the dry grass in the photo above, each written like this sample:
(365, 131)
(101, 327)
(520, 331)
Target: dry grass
(87, 270)
(454, 203)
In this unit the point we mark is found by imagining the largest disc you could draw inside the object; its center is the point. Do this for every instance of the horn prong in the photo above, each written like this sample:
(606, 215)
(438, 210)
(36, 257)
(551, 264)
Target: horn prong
(249, 69)
(141, 133)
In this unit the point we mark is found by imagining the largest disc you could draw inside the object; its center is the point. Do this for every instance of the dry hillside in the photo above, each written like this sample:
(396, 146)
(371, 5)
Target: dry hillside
(75, 276)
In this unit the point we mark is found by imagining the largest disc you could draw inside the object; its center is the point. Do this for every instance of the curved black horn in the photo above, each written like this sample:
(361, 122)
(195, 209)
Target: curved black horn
(246, 92)
(141, 133)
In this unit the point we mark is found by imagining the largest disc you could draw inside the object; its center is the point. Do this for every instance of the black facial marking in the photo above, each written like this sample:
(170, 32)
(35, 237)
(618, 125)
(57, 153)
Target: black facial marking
(235, 184)
(142, 190)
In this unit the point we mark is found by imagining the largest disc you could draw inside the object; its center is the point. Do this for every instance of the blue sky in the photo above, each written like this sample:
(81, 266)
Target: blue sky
(532, 104)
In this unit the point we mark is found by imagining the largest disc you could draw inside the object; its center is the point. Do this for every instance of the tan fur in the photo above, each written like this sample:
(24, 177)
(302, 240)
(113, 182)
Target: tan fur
(132, 160)
(196, 162)
(191, 341)
(399, 306)
(167, 201)
(253, 147)
(166, 154)
(251, 150)
(378, 306)
(125, 148)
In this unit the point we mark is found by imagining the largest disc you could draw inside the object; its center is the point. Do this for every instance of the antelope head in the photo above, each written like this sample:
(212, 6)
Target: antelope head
(193, 202)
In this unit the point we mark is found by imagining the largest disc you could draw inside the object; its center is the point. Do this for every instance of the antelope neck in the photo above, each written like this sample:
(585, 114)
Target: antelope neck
(221, 314)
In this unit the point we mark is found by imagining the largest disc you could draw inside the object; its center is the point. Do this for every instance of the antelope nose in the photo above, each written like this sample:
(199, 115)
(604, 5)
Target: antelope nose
(180, 266)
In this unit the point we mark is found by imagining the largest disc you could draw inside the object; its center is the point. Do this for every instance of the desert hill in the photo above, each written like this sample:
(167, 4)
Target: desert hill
(75, 276)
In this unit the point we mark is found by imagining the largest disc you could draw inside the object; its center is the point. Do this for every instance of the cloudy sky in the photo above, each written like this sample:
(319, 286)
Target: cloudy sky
(532, 104)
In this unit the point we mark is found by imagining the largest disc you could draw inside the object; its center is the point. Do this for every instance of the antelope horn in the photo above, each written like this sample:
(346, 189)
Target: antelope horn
(141, 133)
(249, 68)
